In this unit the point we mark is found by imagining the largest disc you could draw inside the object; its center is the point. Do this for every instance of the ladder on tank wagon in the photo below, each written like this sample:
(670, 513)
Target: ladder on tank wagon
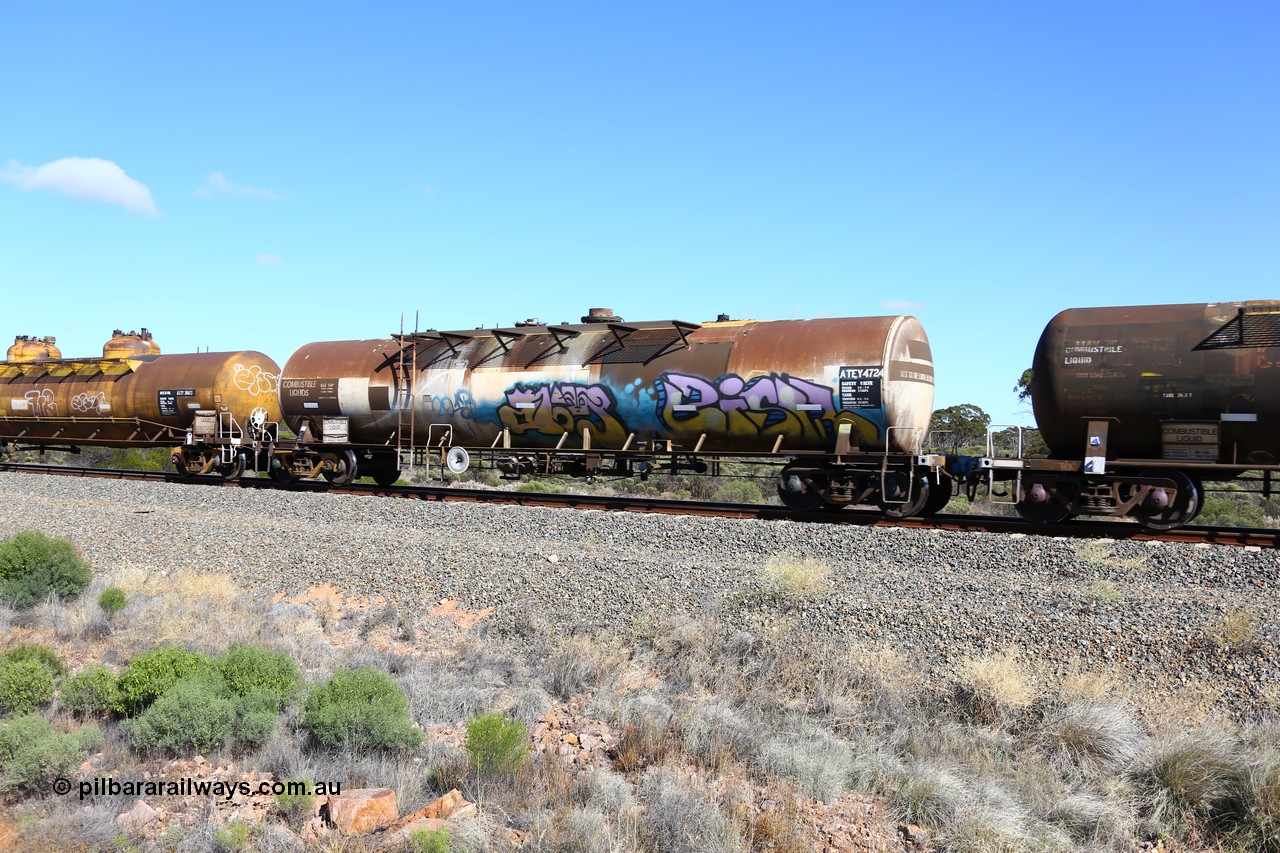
(406, 369)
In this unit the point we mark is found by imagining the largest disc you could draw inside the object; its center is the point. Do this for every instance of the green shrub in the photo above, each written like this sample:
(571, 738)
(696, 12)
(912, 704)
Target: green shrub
(196, 714)
(232, 837)
(1232, 510)
(359, 710)
(32, 756)
(495, 743)
(33, 566)
(295, 806)
(431, 840)
(24, 686)
(269, 675)
(254, 726)
(43, 655)
(540, 487)
(112, 600)
(152, 673)
(740, 492)
(90, 692)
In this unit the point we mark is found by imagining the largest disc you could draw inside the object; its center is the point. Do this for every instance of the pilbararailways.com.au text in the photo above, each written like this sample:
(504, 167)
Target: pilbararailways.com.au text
(101, 786)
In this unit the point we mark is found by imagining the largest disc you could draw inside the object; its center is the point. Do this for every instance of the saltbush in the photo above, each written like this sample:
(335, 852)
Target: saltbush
(495, 743)
(112, 600)
(295, 806)
(24, 686)
(43, 655)
(431, 840)
(256, 717)
(34, 566)
(151, 673)
(232, 837)
(32, 756)
(194, 715)
(272, 676)
(359, 710)
(92, 691)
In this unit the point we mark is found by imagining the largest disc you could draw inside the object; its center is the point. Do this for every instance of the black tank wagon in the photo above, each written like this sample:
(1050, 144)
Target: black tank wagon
(1138, 405)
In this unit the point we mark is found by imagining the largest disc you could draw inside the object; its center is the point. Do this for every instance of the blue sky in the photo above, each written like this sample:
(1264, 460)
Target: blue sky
(253, 175)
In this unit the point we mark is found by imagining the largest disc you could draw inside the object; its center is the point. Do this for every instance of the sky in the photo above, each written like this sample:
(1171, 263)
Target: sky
(261, 175)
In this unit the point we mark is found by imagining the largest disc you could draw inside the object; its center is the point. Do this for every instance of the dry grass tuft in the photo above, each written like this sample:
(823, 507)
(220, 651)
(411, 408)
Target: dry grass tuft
(1238, 631)
(1094, 820)
(646, 737)
(1103, 737)
(928, 796)
(1171, 712)
(581, 664)
(1195, 770)
(1099, 555)
(683, 817)
(818, 762)
(995, 687)
(1082, 685)
(715, 733)
(797, 577)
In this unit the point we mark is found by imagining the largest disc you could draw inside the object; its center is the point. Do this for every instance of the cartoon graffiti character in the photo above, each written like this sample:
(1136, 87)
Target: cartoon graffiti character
(255, 380)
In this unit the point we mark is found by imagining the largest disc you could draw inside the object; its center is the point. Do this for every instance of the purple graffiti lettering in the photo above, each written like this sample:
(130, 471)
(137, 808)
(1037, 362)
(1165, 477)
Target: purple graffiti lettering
(777, 404)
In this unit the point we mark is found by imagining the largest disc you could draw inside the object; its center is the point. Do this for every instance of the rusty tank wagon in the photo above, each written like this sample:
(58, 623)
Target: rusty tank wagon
(844, 403)
(220, 411)
(1138, 405)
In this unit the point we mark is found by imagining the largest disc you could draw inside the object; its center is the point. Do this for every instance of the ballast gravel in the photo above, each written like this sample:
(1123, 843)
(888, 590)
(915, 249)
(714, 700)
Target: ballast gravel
(1158, 612)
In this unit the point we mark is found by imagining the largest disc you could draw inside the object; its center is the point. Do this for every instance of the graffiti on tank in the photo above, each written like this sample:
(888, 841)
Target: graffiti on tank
(777, 404)
(557, 407)
(254, 380)
(84, 402)
(42, 403)
(445, 406)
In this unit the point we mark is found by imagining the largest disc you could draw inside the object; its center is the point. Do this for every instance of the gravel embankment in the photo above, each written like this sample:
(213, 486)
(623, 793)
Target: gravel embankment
(1151, 610)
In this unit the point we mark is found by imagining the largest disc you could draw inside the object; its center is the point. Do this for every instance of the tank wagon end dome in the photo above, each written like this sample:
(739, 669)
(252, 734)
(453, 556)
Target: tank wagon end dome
(27, 348)
(130, 344)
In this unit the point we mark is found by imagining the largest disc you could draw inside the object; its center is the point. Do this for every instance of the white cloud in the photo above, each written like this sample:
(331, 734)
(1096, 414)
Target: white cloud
(903, 305)
(219, 185)
(84, 179)
(268, 260)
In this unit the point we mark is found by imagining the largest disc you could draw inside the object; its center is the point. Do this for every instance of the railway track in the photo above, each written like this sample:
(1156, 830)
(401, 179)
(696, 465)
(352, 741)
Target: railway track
(1244, 537)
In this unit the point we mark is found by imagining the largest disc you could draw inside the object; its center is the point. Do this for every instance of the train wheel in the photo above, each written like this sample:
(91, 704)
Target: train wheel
(345, 471)
(939, 495)
(385, 476)
(1039, 503)
(893, 504)
(234, 469)
(180, 465)
(1160, 510)
(796, 487)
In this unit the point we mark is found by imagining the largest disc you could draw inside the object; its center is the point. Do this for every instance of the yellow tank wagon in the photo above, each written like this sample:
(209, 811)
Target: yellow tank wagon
(219, 411)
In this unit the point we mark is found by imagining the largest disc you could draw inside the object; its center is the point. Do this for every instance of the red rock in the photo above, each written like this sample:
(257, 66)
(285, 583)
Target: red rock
(450, 805)
(137, 818)
(363, 810)
(398, 835)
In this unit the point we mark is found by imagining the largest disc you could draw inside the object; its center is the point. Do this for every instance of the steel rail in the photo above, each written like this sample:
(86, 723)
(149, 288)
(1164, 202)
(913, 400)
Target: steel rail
(1102, 529)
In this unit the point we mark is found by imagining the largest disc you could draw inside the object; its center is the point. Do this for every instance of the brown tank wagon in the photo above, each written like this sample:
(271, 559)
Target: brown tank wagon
(219, 410)
(1139, 404)
(847, 400)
